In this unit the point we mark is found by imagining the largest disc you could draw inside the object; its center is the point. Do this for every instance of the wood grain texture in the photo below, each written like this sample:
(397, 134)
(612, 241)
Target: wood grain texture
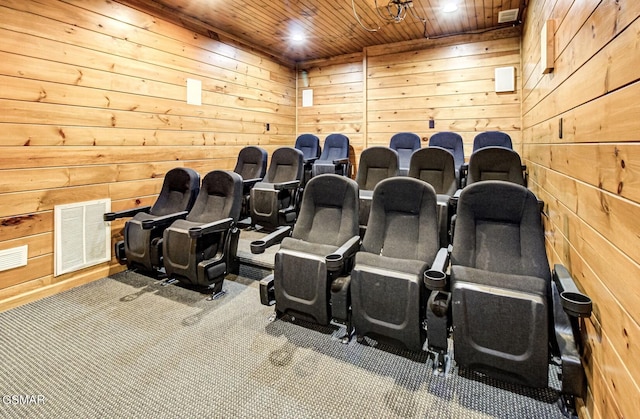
(589, 176)
(93, 105)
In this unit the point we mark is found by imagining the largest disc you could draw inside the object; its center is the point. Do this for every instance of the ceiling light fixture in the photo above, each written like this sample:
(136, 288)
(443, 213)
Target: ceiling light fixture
(449, 8)
(393, 11)
(297, 38)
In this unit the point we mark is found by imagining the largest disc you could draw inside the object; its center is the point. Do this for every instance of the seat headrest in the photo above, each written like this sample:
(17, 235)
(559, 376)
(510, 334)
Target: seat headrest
(492, 139)
(406, 140)
(403, 194)
(496, 200)
(495, 163)
(336, 140)
(309, 144)
(255, 157)
(220, 197)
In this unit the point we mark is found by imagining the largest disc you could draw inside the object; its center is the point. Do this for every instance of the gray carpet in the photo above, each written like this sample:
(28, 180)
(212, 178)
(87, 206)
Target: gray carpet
(126, 347)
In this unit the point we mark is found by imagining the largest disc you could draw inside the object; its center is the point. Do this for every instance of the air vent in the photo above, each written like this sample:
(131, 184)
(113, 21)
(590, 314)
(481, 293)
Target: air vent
(82, 237)
(13, 258)
(510, 15)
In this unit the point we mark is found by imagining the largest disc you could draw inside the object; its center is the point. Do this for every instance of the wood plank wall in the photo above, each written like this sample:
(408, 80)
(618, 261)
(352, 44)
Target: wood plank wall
(338, 99)
(590, 177)
(450, 81)
(93, 105)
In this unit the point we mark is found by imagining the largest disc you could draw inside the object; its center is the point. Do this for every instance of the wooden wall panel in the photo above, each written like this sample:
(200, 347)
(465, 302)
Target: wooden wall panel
(452, 84)
(93, 105)
(400, 87)
(338, 99)
(589, 176)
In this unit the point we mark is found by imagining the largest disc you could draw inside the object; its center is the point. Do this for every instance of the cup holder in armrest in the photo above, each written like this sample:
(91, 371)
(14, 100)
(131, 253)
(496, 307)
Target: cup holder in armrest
(334, 262)
(576, 304)
(258, 246)
(435, 280)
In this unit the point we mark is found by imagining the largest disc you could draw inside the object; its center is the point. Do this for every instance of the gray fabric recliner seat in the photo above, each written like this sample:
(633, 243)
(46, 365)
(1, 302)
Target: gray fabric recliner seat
(201, 249)
(387, 290)
(320, 250)
(404, 143)
(376, 164)
(309, 145)
(453, 143)
(142, 244)
(507, 314)
(273, 200)
(436, 166)
(334, 157)
(252, 166)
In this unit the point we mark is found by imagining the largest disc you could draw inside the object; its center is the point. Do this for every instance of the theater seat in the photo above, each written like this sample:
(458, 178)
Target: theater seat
(142, 244)
(252, 166)
(334, 157)
(309, 145)
(453, 143)
(376, 164)
(507, 313)
(320, 249)
(387, 290)
(404, 143)
(273, 200)
(436, 166)
(201, 249)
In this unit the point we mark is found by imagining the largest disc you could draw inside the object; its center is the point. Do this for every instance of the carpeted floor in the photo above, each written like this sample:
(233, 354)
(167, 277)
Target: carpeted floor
(126, 347)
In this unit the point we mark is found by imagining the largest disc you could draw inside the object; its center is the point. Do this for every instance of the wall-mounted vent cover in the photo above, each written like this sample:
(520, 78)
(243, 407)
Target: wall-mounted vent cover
(13, 258)
(510, 15)
(82, 237)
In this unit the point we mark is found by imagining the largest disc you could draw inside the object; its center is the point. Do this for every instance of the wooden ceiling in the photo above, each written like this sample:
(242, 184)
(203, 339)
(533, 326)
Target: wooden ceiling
(329, 26)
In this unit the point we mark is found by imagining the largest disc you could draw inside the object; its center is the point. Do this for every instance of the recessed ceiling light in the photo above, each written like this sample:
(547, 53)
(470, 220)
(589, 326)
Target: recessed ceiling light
(298, 38)
(449, 8)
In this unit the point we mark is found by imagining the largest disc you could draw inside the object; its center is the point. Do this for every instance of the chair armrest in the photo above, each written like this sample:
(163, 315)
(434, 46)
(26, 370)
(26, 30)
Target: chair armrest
(464, 172)
(251, 182)
(110, 216)
(164, 220)
(259, 246)
(310, 160)
(453, 201)
(335, 261)
(292, 184)
(574, 302)
(435, 277)
(209, 228)
(341, 161)
(365, 194)
(264, 186)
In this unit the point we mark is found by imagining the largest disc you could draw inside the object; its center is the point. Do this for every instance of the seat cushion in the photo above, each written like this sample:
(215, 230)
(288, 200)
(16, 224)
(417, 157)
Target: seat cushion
(407, 266)
(522, 283)
(289, 243)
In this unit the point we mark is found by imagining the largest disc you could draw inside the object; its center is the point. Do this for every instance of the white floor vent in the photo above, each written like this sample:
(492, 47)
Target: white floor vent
(13, 258)
(82, 237)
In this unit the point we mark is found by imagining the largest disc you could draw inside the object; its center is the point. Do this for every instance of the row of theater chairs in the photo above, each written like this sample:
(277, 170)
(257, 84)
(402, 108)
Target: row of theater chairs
(275, 199)
(491, 292)
(190, 233)
(435, 166)
(405, 143)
